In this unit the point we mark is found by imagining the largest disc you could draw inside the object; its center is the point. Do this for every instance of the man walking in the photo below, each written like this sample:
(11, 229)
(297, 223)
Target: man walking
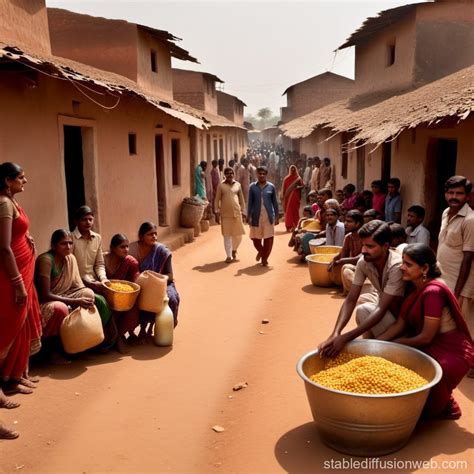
(456, 244)
(262, 214)
(228, 204)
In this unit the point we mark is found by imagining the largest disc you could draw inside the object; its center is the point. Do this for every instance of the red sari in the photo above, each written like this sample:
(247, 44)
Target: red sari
(291, 200)
(20, 326)
(453, 349)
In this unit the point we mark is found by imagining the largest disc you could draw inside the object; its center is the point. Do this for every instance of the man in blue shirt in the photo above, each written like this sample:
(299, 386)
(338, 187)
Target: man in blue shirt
(262, 214)
(393, 201)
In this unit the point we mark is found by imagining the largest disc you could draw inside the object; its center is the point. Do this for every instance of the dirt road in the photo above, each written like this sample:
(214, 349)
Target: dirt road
(153, 410)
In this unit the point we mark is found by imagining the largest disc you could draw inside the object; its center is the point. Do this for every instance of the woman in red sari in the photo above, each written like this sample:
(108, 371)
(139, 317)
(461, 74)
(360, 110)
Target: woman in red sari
(431, 320)
(119, 265)
(292, 186)
(20, 321)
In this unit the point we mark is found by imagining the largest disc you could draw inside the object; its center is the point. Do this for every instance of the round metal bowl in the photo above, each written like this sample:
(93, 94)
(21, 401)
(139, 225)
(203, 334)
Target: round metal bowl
(368, 425)
(318, 269)
(336, 275)
(316, 249)
(121, 300)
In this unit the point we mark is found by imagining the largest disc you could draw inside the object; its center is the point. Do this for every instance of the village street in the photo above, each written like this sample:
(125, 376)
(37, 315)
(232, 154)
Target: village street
(153, 410)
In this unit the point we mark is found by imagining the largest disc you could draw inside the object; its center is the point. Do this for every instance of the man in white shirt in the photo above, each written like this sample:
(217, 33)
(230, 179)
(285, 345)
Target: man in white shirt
(417, 233)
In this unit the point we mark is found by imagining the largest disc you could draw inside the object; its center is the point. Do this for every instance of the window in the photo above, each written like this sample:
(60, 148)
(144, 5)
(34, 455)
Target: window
(132, 143)
(175, 162)
(153, 62)
(391, 53)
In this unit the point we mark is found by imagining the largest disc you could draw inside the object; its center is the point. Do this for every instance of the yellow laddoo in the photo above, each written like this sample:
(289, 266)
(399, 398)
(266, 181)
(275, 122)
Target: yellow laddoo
(122, 287)
(367, 374)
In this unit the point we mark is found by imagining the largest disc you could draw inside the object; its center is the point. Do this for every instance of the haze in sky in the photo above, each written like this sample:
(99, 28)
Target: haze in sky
(259, 48)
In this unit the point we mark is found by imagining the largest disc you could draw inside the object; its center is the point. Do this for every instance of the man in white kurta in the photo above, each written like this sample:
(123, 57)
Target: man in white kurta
(229, 204)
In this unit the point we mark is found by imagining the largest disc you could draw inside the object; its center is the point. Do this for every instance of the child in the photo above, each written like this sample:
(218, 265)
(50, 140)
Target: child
(351, 249)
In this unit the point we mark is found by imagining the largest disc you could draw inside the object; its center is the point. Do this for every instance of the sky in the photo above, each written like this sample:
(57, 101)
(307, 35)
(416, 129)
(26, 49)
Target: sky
(258, 48)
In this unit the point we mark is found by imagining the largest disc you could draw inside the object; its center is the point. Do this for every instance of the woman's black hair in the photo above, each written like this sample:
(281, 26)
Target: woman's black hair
(117, 239)
(146, 227)
(8, 170)
(59, 235)
(421, 254)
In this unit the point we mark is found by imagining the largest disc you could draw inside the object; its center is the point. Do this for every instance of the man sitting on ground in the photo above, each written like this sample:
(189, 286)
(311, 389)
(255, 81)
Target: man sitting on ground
(381, 265)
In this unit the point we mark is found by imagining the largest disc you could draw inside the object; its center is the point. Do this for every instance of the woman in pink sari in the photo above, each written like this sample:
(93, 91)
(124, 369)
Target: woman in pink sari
(431, 320)
(20, 321)
(292, 186)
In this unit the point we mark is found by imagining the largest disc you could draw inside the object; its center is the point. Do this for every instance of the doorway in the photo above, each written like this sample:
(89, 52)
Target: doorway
(74, 171)
(386, 161)
(160, 180)
(440, 165)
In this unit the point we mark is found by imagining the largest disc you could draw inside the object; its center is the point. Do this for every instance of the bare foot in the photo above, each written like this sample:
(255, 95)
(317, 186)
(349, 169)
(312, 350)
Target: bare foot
(27, 383)
(6, 403)
(11, 388)
(32, 378)
(5, 433)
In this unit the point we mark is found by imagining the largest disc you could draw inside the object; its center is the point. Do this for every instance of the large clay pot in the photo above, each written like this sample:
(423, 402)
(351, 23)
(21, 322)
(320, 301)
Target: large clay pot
(153, 291)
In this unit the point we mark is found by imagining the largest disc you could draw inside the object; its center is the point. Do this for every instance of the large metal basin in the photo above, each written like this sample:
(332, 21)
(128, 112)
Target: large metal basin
(368, 425)
(318, 269)
(316, 249)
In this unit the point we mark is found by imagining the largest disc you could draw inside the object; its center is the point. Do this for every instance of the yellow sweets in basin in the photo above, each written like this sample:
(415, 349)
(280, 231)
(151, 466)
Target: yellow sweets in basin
(367, 374)
(122, 287)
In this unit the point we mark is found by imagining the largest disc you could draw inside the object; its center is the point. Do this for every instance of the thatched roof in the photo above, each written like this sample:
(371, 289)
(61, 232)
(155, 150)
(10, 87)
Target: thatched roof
(374, 25)
(115, 84)
(451, 96)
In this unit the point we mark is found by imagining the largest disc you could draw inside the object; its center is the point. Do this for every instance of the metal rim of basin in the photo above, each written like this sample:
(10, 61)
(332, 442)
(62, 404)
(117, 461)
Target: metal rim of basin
(434, 381)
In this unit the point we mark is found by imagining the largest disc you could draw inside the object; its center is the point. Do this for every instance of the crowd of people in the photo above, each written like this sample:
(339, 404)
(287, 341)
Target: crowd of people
(38, 293)
(400, 289)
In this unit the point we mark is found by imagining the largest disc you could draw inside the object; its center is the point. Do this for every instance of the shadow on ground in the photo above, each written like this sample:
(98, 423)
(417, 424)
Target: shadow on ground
(254, 270)
(81, 362)
(301, 449)
(211, 267)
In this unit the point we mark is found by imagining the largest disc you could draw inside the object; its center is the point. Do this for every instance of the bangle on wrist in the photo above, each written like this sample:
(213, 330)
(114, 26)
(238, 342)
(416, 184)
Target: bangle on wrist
(17, 279)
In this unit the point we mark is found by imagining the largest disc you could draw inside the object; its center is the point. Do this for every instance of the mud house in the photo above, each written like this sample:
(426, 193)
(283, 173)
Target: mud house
(410, 114)
(107, 133)
(314, 93)
(227, 135)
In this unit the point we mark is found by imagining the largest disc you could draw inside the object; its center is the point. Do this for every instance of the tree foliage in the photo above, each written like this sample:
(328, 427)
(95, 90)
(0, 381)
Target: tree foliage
(264, 119)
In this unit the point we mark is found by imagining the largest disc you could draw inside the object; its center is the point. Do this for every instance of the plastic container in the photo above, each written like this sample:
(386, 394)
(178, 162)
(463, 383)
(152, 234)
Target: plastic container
(164, 326)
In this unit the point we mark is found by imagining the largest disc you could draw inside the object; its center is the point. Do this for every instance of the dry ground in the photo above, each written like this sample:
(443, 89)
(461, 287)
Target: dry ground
(153, 410)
